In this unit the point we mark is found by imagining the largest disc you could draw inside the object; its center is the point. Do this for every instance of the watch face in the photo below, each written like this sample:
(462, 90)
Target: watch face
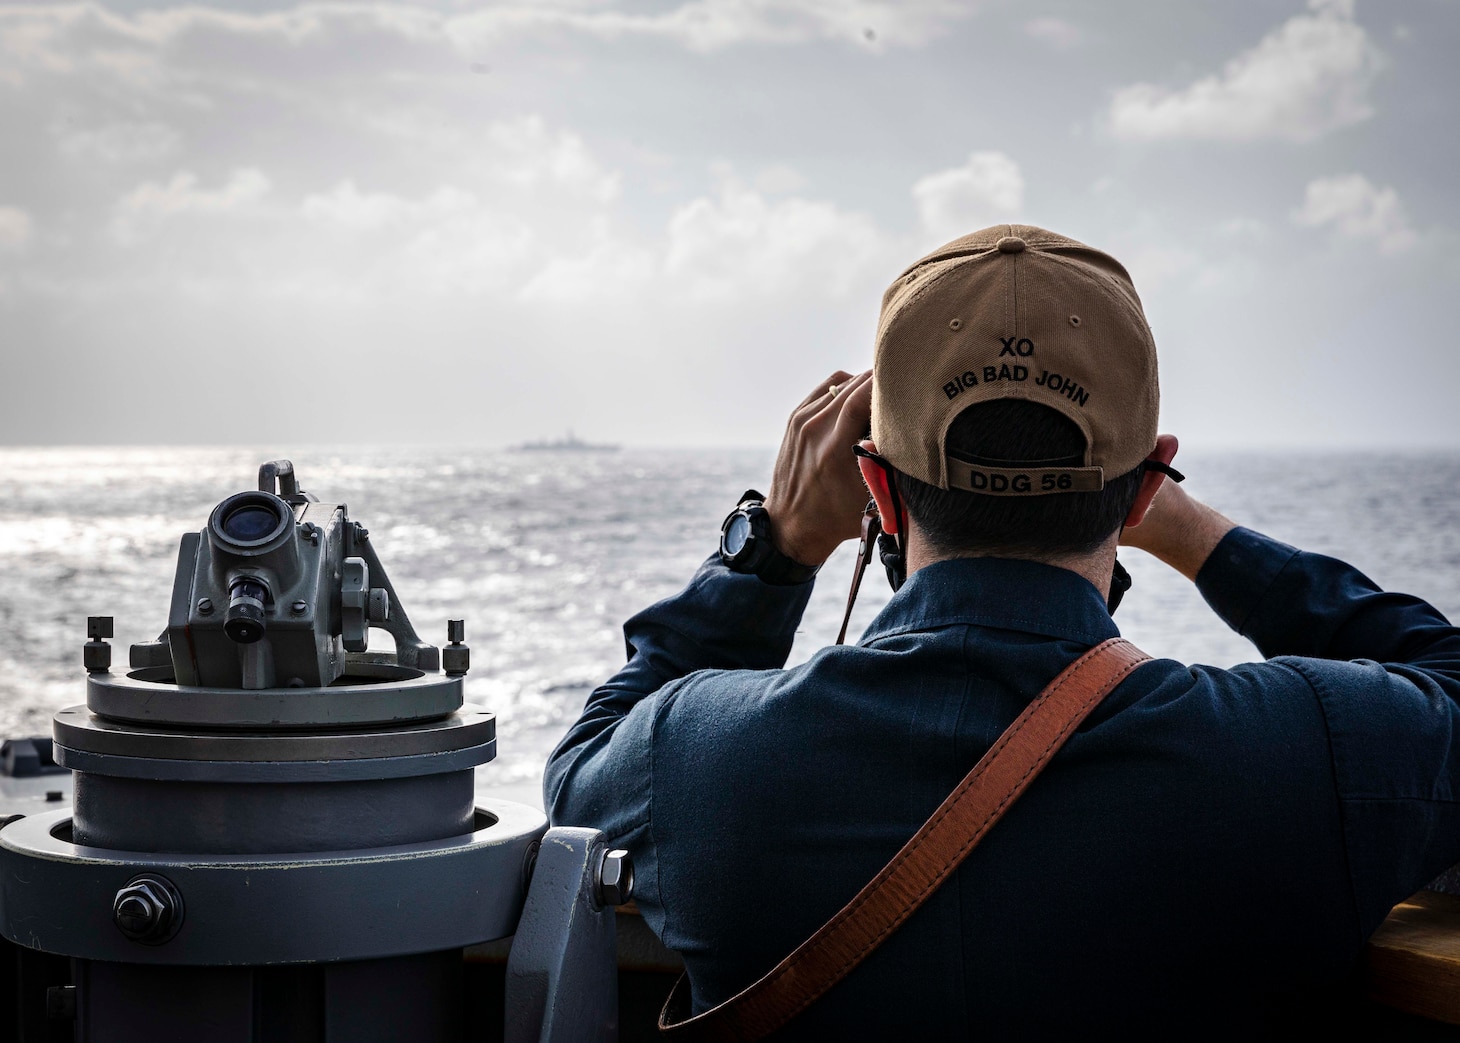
(737, 531)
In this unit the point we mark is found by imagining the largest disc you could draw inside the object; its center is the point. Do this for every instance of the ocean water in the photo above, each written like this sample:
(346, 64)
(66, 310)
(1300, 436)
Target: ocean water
(546, 553)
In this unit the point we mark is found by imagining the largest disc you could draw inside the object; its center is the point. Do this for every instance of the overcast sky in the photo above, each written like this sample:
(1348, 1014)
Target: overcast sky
(658, 223)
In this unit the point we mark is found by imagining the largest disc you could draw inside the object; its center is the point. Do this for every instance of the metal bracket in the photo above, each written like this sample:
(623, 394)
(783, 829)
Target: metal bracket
(562, 973)
(289, 491)
(410, 650)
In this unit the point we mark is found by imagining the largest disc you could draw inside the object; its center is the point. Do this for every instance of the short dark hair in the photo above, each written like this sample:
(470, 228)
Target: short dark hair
(1010, 432)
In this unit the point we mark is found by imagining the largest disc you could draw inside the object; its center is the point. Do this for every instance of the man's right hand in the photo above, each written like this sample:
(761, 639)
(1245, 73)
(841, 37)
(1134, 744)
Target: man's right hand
(816, 497)
(1178, 529)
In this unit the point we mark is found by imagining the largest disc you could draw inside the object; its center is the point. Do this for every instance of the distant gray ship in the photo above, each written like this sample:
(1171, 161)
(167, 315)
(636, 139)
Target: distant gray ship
(571, 443)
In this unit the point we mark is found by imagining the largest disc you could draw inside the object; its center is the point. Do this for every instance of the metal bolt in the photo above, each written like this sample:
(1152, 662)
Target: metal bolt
(205, 605)
(136, 913)
(96, 654)
(615, 878)
(455, 657)
(298, 608)
(148, 910)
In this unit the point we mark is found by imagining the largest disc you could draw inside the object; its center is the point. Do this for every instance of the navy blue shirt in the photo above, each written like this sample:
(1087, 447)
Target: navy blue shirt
(1208, 837)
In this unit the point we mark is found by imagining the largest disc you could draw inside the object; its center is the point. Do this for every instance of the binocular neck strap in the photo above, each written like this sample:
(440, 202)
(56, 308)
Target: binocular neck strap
(871, 529)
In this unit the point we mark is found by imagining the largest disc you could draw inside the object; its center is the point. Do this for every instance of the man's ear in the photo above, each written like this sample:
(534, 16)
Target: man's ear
(1164, 452)
(876, 477)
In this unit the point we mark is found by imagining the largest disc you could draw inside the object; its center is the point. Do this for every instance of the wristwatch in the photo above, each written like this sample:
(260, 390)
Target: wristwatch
(745, 545)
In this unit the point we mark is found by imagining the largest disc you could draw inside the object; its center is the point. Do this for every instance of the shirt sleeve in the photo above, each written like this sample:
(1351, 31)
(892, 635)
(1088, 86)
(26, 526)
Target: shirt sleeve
(1288, 602)
(1385, 669)
(601, 774)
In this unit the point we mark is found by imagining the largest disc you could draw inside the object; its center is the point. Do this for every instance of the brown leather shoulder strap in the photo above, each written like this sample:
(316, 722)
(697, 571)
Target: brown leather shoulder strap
(924, 862)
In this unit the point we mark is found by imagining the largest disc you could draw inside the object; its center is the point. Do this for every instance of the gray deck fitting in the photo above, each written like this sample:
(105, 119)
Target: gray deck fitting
(562, 981)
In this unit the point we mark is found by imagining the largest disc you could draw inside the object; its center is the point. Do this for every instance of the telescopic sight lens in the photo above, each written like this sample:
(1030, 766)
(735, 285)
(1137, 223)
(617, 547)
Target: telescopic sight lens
(250, 522)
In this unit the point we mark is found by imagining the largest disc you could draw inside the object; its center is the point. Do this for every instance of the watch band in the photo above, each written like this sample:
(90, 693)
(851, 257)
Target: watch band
(781, 571)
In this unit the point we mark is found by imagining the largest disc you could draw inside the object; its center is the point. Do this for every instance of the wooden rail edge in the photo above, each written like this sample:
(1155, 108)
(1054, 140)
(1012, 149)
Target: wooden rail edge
(1412, 962)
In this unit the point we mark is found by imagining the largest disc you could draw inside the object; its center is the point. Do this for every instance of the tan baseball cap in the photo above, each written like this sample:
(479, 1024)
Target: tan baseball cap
(1014, 311)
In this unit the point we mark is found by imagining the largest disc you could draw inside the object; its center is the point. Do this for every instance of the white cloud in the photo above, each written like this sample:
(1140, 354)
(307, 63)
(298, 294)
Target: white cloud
(484, 249)
(612, 271)
(117, 143)
(527, 154)
(570, 245)
(1058, 33)
(707, 25)
(538, 199)
(1241, 229)
(345, 206)
(372, 245)
(16, 229)
(733, 247)
(1153, 267)
(779, 179)
(1306, 78)
(369, 245)
(989, 188)
(182, 195)
(1355, 209)
(741, 246)
(64, 39)
(738, 244)
(529, 197)
(541, 221)
(153, 203)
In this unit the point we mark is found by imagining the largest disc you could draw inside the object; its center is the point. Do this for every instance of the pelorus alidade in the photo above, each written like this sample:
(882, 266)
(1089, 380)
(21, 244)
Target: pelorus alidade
(276, 833)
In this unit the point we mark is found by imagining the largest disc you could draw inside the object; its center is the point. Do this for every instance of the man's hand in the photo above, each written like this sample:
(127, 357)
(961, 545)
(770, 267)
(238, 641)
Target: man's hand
(817, 496)
(1178, 529)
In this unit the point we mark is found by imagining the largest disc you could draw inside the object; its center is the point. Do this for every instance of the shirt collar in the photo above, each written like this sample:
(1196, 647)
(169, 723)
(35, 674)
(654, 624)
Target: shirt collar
(1006, 593)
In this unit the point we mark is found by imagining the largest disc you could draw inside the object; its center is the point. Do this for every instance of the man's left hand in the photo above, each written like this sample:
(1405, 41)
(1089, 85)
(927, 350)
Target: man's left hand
(817, 494)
